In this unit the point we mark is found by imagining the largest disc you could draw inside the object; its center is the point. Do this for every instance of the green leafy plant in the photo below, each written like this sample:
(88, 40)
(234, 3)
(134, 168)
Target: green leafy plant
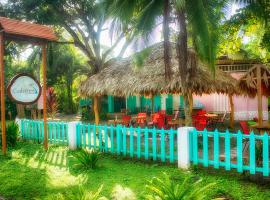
(165, 189)
(81, 194)
(88, 159)
(12, 133)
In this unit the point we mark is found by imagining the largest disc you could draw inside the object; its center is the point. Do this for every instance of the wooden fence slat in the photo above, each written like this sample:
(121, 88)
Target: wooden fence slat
(265, 154)
(227, 150)
(252, 160)
(205, 148)
(139, 142)
(131, 143)
(112, 138)
(195, 146)
(162, 145)
(106, 138)
(146, 156)
(118, 138)
(171, 143)
(239, 148)
(154, 143)
(216, 149)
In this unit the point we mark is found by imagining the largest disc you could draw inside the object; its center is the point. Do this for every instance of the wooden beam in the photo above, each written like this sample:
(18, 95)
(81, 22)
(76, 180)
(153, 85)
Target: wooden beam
(44, 90)
(259, 94)
(2, 87)
(231, 111)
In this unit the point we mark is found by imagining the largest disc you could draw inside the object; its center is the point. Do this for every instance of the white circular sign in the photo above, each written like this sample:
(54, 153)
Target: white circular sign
(24, 89)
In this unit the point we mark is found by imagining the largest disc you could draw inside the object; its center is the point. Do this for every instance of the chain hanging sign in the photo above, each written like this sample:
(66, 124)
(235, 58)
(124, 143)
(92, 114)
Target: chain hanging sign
(24, 89)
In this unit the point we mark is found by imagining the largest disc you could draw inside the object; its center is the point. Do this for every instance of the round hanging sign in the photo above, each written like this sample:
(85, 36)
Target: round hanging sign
(24, 89)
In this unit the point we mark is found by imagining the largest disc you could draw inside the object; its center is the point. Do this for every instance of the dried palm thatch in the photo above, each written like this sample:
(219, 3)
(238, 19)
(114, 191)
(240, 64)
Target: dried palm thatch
(248, 83)
(122, 77)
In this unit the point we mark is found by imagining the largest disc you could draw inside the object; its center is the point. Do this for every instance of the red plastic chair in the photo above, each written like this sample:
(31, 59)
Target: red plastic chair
(244, 127)
(201, 124)
(161, 121)
(154, 119)
(126, 120)
(201, 112)
(141, 119)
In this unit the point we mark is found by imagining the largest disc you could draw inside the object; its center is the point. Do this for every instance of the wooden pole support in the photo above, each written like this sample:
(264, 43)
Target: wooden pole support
(3, 117)
(232, 111)
(259, 95)
(44, 90)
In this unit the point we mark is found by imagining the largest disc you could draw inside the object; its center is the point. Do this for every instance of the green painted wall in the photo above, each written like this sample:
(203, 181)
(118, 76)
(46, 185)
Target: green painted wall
(110, 104)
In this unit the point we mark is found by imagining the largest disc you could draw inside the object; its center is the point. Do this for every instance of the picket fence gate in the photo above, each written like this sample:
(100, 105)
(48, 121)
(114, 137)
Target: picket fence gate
(155, 144)
(207, 148)
(34, 130)
(251, 151)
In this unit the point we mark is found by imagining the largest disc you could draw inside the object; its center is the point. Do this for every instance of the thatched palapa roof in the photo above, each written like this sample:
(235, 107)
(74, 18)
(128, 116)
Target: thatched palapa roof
(248, 83)
(122, 77)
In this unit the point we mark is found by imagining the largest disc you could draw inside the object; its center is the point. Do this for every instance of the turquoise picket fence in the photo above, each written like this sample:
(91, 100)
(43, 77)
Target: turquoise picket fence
(154, 144)
(230, 151)
(34, 130)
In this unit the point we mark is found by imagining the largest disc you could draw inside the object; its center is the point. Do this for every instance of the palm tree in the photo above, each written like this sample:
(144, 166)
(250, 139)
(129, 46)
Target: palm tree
(201, 16)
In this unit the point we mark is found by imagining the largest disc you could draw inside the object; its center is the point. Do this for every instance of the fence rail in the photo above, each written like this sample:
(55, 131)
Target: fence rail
(250, 152)
(34, 130)
(128, 141)
(217, 149)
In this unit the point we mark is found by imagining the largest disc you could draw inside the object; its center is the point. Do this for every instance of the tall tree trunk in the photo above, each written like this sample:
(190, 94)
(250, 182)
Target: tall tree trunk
(96, 112)
(166, 35)
(182, 53)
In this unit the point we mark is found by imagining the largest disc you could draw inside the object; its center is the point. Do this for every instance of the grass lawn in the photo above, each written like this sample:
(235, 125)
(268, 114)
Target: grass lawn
(31, 173)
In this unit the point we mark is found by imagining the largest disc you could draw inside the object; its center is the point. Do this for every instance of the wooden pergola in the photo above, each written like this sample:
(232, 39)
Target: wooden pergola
(256, 82)
(23, 32)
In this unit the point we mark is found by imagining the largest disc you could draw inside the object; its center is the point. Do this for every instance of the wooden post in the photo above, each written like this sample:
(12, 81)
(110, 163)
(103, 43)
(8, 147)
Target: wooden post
(259, 94)
(232, 111)
(44, 89)
(96, 110)
(2, 87)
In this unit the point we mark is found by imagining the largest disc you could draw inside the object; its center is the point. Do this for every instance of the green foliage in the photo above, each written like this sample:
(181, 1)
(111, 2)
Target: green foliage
(87, 114)
(88, 159)
(80, 194)
(52, 103)
(166, 189)
(12, 133)
(138, 58)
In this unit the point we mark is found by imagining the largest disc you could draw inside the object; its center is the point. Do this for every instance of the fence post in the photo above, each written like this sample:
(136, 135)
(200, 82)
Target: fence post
(72, 135)
(183, 147)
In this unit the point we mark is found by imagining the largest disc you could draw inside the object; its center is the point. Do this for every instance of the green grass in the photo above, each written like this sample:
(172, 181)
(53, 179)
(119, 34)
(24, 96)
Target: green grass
(31, 173)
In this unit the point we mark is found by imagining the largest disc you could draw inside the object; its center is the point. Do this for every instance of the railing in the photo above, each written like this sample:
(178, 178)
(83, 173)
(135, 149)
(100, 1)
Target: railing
(34, 130)
(231, 151)
(137, 142)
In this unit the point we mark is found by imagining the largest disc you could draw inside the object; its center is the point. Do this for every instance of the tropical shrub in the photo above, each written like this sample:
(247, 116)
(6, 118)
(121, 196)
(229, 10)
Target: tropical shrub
(81, 194)
(12, 133)
(165, 189)
(87, 159)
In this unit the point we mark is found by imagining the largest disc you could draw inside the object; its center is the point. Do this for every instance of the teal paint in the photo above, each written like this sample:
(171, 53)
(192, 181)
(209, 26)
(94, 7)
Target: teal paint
(106, 138)
(252, 160)
(182, 104)
(157, 103)
(227, 150)
(162, 145)
(139, 142)
(110, 104)
(146, 104)
(146, 151)
(169, 104)
(112, 138)
(216, 149)
(205, 148)
(171, 138)
(131, 104)
(154, 148)
(265, 155)
(89, 135)
(131, 143)
(239, 147)
(124, 141)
